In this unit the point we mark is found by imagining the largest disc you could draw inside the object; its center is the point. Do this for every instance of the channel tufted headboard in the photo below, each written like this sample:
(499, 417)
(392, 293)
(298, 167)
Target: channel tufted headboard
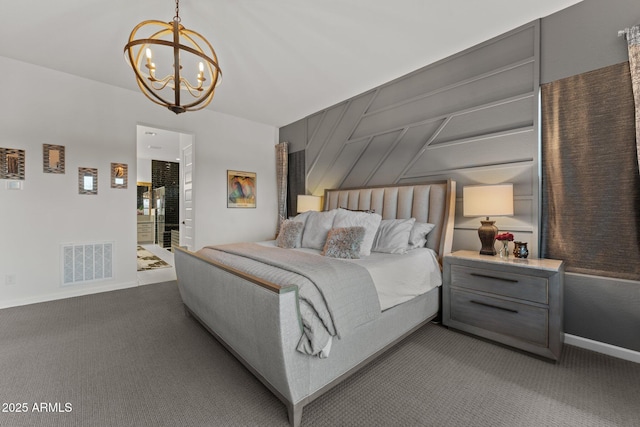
(432, 202)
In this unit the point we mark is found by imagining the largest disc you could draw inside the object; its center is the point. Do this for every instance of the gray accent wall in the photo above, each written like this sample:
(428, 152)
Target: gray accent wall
(584, 37)
(472, 117)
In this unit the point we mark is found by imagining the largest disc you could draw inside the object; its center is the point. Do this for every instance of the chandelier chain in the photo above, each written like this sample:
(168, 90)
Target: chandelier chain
(177, 17)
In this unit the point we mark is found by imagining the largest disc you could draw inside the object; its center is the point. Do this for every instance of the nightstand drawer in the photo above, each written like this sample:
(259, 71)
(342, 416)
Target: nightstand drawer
(512, 285)
(521, 321)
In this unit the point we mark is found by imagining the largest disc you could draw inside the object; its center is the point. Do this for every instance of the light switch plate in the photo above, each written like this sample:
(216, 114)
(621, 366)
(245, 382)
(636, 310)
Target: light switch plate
(14, 185)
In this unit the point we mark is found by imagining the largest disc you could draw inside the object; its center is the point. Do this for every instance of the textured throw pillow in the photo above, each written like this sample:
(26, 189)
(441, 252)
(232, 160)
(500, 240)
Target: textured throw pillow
(316, 228)
(370, 222)
(418, 236)
(344, 242)
(290, 233)
(393, 236)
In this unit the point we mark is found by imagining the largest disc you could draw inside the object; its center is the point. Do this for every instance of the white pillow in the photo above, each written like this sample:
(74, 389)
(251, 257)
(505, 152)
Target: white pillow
(316, 229)
(303, 219)
(370, 222)
(393, 236)
(418, 236)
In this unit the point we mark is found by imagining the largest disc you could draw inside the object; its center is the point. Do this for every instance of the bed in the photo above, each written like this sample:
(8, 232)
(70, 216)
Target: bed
(258, 308)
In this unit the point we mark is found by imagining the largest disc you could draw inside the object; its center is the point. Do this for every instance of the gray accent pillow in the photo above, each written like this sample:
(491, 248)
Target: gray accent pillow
(344, 242)
(418, 236)
(393, 236)
(290, 233)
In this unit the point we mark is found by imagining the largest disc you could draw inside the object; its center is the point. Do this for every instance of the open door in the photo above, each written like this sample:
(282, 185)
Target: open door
(187, 222)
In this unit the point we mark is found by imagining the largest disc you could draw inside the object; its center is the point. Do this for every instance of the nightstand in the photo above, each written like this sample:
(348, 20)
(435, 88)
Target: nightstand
(517, 302)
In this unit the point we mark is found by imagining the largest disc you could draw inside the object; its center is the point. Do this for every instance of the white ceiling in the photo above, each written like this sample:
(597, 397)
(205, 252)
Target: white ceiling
(281, 59)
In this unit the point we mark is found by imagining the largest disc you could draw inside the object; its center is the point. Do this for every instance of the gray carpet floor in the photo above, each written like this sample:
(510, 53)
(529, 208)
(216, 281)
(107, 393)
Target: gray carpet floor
(132, 358)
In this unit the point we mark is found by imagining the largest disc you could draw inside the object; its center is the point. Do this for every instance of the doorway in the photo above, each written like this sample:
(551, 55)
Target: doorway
(160, 206)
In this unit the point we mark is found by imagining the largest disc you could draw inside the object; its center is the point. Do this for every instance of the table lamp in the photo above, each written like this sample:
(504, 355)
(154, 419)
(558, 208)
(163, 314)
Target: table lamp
(309, 203)
(487, 200)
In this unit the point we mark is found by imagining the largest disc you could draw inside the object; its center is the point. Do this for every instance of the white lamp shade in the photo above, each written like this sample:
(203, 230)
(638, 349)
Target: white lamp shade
(309, 203)
(487, 200)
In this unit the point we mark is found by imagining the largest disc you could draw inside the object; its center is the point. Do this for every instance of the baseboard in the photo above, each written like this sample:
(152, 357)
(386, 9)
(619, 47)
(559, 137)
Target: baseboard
(71, 292)
(601, 347)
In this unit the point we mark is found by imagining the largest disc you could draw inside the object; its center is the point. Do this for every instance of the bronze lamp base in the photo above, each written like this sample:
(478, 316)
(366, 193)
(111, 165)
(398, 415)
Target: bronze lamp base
(487, 233)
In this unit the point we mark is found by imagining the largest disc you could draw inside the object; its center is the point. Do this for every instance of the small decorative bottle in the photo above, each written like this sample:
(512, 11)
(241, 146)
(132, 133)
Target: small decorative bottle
(520, 250)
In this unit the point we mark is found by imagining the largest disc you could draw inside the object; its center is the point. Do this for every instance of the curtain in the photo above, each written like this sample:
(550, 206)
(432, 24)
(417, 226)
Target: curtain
(633, 39)
(590, 179)
(281, 178)
(297, 182)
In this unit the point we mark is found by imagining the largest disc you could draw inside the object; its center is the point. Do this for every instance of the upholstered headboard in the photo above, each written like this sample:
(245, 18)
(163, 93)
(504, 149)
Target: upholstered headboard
(432, 202)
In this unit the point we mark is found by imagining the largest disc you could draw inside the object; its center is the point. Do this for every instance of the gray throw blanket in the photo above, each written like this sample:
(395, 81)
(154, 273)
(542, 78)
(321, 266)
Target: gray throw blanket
(342, 288)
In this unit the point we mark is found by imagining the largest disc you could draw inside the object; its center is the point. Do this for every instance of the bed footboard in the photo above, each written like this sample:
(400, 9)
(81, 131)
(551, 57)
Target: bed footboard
(257, 321)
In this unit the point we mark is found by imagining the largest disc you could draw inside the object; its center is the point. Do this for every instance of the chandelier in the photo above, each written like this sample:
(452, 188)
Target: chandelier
(172, 49)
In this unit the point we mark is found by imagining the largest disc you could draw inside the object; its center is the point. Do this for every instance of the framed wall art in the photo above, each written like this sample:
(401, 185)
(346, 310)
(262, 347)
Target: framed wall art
(241, 189)
(52, 158)
(87, 181)
(11, 163)
(119, 175)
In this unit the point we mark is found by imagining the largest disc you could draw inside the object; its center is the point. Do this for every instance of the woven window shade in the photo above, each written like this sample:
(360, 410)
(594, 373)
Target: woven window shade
(590, 182)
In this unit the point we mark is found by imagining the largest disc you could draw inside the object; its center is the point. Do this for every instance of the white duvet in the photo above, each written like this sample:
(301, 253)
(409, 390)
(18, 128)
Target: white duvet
(397, 277)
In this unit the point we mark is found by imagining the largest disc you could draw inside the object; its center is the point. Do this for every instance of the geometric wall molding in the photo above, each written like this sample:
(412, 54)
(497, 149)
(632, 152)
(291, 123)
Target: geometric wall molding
(472, 117)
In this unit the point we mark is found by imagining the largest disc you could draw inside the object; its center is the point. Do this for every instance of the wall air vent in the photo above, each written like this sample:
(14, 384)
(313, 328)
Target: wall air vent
(86, 262)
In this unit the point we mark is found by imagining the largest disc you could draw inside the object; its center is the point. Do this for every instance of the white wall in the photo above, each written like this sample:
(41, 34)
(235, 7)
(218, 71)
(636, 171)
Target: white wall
(144, 170)
(97, 125)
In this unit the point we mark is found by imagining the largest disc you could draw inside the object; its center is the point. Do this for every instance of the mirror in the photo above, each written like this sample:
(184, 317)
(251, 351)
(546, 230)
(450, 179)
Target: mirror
(87, 181)
(53, 158)
(11, 163)
(144, 201)
(119, 175)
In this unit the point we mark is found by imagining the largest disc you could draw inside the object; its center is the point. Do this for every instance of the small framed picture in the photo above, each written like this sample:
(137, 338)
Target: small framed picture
(241, 189)
(119, 175)
(11, 163)
(87, 181)
(52, 158)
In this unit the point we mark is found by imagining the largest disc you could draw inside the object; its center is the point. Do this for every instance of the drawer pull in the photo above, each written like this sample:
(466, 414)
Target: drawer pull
(494, 306)
(493, 277)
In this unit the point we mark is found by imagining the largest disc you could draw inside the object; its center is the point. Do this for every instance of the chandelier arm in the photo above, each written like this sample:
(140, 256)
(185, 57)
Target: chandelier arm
(208, 95)
(191, 88)
(188, 85)
(146, 92)
(165, 81)
(202, 104)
